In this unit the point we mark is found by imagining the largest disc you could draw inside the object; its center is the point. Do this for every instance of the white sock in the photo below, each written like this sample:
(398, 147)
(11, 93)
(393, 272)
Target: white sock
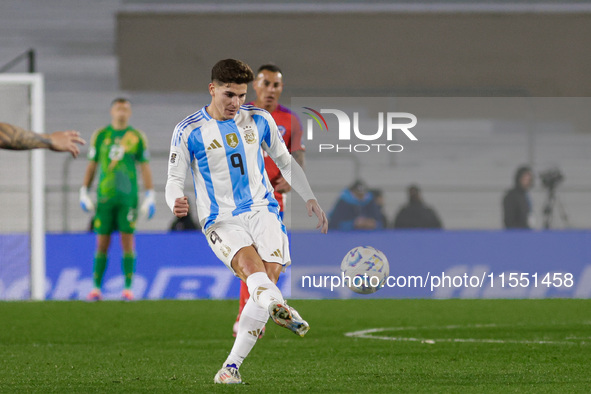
(252, 321)
(262, 290)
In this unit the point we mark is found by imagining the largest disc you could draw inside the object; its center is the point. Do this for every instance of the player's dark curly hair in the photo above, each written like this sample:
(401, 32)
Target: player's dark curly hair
(231, 71)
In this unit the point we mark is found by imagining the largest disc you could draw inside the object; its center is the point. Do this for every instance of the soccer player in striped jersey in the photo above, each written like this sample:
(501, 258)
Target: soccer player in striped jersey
(223, 144)
(268, 86)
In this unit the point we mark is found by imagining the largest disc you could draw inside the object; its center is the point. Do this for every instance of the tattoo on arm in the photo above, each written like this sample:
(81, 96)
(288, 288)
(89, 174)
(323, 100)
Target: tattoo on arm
(16, 138)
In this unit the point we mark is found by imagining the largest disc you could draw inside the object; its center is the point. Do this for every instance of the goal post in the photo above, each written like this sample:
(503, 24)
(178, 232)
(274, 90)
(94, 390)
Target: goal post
(34, 86)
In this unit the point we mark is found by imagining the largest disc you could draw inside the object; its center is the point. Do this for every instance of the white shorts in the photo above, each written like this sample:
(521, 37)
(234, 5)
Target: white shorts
(261, 229)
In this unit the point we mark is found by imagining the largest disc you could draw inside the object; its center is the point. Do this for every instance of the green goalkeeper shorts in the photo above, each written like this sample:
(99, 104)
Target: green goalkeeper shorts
(112, 216)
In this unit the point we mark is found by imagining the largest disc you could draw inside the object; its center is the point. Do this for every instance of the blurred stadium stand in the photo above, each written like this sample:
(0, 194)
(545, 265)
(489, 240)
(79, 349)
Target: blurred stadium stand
(81, 49)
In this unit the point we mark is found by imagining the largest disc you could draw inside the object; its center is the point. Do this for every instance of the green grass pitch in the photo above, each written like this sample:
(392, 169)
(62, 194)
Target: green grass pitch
(416, 346)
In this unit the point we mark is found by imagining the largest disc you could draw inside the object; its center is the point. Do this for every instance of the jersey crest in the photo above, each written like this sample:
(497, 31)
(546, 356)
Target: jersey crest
(250, 138)
(232, 140)
(249, 134)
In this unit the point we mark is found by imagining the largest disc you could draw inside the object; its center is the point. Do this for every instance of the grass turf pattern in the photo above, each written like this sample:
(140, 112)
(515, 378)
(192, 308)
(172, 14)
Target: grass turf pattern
(417, 346)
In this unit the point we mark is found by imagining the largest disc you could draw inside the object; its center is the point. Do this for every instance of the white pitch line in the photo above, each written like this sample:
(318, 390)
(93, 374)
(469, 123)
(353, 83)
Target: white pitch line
(367, 334)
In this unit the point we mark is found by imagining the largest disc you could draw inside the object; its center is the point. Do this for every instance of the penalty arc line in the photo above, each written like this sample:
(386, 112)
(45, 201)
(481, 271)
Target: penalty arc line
(367, 335)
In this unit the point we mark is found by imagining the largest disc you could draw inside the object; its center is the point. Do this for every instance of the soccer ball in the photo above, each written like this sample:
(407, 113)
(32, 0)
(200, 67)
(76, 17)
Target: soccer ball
(365, 269)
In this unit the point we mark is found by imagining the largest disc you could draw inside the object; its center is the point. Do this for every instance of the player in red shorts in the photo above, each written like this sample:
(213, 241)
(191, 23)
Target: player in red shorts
(268, 86)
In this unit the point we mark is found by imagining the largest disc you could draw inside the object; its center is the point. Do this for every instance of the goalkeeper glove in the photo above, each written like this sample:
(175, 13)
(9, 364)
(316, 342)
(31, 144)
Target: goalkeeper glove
(148, 208)
(85, 201)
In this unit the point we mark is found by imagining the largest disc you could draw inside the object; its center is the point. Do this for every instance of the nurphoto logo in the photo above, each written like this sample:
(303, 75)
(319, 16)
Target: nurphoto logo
(394, 122)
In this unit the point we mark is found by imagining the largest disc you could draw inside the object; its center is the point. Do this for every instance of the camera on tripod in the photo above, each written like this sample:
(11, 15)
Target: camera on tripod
(551, 178)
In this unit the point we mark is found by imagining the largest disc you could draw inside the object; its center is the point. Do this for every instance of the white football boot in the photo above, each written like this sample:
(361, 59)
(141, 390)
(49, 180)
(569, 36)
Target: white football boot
(228, 375)
(285, 316)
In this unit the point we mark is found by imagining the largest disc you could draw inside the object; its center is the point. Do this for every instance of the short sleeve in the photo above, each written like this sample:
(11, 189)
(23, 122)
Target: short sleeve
(95, 141)
(143, 153)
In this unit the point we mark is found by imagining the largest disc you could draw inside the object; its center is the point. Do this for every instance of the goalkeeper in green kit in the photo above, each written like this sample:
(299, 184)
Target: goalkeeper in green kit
(114, 150)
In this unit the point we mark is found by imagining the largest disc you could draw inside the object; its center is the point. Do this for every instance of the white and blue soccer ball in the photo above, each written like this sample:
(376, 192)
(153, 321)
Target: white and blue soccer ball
(365, 269)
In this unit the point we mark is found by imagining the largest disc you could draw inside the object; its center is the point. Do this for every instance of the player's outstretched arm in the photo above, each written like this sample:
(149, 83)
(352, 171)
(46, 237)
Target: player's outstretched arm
(299, 156)
(66, 141)
(17, 138)
(282, 185)
(314, 208)
(293, 173)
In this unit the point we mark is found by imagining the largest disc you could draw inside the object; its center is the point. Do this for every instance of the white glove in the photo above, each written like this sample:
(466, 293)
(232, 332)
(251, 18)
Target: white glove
(148, 208)
(85, 202)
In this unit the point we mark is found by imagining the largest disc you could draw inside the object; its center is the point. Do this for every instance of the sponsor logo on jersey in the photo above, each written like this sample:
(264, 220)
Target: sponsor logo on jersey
(277, 253)
(232, 140)
(281, 129)
(214, 145)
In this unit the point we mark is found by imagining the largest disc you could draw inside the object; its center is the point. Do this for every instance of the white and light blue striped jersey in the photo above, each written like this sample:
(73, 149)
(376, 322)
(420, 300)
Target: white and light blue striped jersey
(226, 161)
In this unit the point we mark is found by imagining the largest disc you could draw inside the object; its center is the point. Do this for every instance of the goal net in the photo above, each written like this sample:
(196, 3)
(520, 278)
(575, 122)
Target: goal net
(22, 201)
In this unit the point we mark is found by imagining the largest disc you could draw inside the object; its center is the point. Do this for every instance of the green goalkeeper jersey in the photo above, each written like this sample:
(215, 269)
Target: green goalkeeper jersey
(116, 152)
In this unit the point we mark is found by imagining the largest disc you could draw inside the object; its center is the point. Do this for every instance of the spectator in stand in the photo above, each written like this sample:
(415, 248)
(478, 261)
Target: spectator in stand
(378, 197)
(517, 203)
(416, 214)
(356, 209)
